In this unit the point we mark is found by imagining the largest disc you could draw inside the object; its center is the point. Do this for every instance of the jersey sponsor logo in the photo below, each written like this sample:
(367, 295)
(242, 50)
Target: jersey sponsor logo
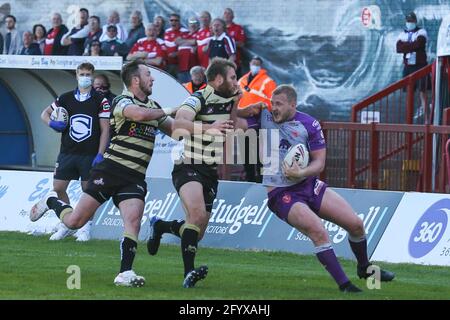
(318, 187)
(286, 198)
(191, 102)
(143, 131)
(99, 182)
(284, 144)
(80, 127)
(295, 134)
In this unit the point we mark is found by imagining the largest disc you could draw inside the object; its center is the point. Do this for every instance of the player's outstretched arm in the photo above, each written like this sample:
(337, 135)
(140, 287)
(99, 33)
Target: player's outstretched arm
(136, 113)
(166, 126)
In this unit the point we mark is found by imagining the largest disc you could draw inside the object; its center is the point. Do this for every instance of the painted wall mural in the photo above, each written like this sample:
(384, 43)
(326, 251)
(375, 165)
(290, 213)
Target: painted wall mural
(335, 52)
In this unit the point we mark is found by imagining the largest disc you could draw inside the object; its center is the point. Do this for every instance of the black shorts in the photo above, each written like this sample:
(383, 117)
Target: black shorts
(104, 185)
(204, 174)
(72, 167)
(423, 83)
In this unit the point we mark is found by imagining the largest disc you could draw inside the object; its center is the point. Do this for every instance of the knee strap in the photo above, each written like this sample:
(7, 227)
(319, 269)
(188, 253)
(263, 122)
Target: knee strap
(188, 226)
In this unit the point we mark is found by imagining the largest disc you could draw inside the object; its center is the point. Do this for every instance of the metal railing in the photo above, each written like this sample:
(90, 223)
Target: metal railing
(383, 156)
(400, 102)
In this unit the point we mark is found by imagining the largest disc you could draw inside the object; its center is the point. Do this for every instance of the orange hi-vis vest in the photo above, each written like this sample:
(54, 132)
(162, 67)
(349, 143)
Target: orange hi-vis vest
(189, 86)
(259, 90)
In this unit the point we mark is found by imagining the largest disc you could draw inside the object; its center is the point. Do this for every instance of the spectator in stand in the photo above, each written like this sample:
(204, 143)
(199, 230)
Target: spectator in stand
(29, 47)
(95, 49)
(160, 24)
(53, 40)
(257, 88)
(149, 48)
(1, 43)
(75, 38)
(236, 32)
(94, 33)
(39, 34)
(175, 31)
(102, 85)
(220, 44)
(12, 42)
(412, 43)
(137, 30)
(114, 19)
(203, 37)
(112, 46)
(186, 50)
(198, 79)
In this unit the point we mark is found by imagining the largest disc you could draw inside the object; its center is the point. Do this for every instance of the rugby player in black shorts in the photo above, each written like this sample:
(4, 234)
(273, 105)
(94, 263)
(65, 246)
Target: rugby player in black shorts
(121, 175)
(202, 120)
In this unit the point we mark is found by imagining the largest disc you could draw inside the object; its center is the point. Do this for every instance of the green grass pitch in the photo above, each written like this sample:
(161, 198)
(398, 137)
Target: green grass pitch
(35, 268)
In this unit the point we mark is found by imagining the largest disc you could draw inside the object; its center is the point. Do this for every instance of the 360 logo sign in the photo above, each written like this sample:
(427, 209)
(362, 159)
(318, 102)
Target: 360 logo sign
(430, 228)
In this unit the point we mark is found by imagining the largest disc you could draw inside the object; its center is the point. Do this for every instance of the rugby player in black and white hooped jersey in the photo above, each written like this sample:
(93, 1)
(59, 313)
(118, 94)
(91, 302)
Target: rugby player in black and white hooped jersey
(208, 113)
(134, 122)
(83, 139)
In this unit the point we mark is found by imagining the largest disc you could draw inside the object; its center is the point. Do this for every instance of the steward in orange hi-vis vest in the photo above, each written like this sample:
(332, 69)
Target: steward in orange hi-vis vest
(256, 89)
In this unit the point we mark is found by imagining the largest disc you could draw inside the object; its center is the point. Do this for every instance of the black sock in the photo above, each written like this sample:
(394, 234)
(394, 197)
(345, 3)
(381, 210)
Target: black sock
(189, 241)
(172, 227)
(58, 206)
(128, 249)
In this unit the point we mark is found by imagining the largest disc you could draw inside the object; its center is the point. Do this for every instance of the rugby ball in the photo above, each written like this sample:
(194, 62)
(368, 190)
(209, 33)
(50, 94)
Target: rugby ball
(60, 114)
(298, 153)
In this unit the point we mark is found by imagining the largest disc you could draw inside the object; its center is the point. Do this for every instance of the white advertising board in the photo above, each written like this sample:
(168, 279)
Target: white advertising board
(59, 62)
(419, 231)
(19, 191)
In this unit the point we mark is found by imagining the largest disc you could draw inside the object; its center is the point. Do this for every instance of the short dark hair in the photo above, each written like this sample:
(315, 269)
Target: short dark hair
(96, 18)
(130, 70)
(411, 16)
(218, 66)
(257, 58)
(87, 66)
(288, 90)
(111, 27)
(85, 10)
(11, 16)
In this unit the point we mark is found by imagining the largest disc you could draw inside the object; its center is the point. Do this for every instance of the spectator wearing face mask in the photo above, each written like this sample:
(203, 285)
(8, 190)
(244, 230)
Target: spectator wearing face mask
(257, 88)
(412, 44)
(102, 85)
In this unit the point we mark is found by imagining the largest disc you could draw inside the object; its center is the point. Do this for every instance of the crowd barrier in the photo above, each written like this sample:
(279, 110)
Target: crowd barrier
(401, 227)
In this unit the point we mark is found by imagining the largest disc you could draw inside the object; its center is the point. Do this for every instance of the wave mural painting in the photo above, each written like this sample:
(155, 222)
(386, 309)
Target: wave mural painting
(334, 52)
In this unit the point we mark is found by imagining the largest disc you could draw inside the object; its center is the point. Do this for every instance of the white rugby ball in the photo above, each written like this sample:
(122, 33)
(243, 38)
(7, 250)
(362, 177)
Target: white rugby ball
(60, 114)
(298, 153)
